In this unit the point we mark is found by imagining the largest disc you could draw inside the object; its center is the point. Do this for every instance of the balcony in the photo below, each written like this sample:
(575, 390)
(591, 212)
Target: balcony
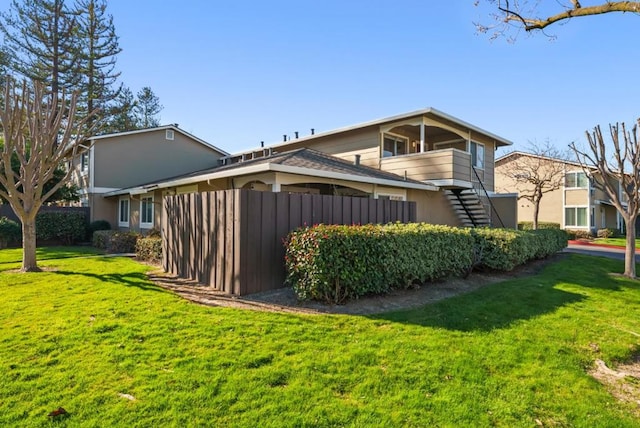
(447, 168)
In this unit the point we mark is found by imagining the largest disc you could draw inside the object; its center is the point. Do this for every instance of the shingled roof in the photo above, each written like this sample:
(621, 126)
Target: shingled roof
(303, 161)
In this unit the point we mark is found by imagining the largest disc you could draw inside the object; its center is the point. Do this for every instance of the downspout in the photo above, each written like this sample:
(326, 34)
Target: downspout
(422, 133)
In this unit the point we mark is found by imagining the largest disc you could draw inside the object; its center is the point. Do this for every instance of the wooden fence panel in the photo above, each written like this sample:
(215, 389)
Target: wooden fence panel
(232, 240)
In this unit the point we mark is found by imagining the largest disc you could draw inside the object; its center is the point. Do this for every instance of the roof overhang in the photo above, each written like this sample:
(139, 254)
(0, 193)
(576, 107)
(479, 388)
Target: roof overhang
(272, 167)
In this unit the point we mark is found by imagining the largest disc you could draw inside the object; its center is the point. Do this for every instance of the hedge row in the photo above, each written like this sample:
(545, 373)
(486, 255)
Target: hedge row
(66, 227)
(149, 249)
(334, 263)
(528, 225)
(10, 232)
(113, 241)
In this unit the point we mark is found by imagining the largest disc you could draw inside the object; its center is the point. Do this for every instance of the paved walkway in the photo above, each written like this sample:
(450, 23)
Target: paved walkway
(601, 250)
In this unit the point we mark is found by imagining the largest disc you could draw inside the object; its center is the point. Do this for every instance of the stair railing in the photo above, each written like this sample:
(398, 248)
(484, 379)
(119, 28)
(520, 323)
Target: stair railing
(485, 194)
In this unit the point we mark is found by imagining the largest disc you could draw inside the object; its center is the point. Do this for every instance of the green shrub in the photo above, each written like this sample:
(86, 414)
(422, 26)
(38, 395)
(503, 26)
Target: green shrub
(66, 227)
(149, 249)
(528, 225)
(579, 234)
(336, 263)
(10, 232)
(113, 241)
(606, 233)
(99, 225)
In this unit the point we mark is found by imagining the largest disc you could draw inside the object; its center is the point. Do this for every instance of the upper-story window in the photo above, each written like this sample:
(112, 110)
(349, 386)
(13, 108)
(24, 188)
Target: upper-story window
(84, 162)
(576, 180)
(477, 154)
(394, 145)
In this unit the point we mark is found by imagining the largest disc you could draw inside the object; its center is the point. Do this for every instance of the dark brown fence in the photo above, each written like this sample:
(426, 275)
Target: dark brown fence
(231, 240)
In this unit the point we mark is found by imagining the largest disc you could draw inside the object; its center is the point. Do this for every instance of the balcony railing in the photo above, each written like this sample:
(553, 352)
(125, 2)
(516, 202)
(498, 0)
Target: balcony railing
(446, 167)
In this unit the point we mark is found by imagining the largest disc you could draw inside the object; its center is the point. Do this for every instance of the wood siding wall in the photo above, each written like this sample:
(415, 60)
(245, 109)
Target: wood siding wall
(231, 240)
(434, 165)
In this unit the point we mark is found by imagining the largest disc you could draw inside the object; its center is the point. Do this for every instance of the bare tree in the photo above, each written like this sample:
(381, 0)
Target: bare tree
(531, 15)
(43, 133)
(620, 174)
(536, 173)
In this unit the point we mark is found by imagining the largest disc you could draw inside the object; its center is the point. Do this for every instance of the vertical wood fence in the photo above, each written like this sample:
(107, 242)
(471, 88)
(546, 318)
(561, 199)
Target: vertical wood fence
(232, 240)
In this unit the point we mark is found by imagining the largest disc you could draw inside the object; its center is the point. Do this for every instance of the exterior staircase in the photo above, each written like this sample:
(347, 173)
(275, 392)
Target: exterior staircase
(468, 207)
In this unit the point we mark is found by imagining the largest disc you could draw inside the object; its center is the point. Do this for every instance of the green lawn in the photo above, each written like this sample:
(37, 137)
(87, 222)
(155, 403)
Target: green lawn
(511, 354)
(622, 242)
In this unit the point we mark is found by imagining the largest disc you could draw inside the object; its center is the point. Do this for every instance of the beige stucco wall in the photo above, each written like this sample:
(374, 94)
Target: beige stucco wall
(576, 197)
(104, 209)
(139, 158)
(433, 207)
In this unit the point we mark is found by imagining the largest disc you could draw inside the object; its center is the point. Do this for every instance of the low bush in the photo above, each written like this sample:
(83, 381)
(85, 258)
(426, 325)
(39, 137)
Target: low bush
(528, 225)
(10, 232)
(113, 241)
(579, 234)
(149, 249)
(606, 233)
(98, 225)
(336, 263)
(66, 227)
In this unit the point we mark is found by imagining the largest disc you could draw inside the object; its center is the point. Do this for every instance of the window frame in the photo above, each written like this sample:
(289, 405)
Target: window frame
(84, 163)
(575, 180)
(575, 215)
(144, 200)
(398, 139)
(122, 223)
(474, 155)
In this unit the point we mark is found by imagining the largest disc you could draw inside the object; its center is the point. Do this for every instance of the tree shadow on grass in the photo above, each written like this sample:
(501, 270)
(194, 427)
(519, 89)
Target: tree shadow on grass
(134, 279)
(502, 304)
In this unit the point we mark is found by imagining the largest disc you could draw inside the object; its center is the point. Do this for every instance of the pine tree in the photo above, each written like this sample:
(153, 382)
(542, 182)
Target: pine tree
(122, 114)
(98, 58)
(41, 42)
(148, 107)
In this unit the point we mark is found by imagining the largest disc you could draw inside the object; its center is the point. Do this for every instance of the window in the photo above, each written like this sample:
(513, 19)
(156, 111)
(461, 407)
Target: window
(123, 212)
(477, 154)
(576, 180)
(84, 162)
(575, 216)
(394, 145)
(146, 212)
(168, 134)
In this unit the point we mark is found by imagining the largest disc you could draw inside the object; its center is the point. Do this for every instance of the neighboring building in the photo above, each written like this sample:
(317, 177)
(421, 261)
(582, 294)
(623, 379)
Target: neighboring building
(578, 204)
(442, 163)
(125, 159)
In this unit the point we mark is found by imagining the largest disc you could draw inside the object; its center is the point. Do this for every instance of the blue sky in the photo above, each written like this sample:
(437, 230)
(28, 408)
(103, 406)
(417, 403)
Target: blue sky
(237, 73)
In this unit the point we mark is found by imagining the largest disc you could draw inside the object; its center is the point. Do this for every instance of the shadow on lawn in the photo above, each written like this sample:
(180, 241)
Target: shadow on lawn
(502, 304)
(136, 279)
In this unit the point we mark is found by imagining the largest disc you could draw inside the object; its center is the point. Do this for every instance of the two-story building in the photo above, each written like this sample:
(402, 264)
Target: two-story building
(578, 203)
(114, 161)
(444, 164)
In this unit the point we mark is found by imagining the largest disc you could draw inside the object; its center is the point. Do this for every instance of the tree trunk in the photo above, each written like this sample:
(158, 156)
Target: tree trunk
(29, 263)
(536, 210)
(630, 250)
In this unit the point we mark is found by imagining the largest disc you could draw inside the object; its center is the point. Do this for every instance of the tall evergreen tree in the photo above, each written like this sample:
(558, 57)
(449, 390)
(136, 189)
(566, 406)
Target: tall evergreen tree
(122, 113)
(41, 42)
(98, 58)
(148, 108)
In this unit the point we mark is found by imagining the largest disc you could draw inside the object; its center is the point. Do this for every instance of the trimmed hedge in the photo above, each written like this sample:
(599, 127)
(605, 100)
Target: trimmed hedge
(113, 241)
(579, 234)
(528, 225)
(66, 227)
(334, 263)
(149, 249)
(606, 233)
(10, 232)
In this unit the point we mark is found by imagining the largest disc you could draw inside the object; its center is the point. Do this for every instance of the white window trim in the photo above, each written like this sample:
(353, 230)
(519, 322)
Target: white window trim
(147, 225)
(120, 222)
(576, 188)
(564, 214)
(398, 136)
(169, 134)
(484, 154)
(84, 171)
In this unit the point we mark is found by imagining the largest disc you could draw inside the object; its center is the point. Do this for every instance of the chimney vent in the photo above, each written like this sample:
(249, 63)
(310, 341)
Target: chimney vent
(296, 134)
(357, 160)
(313, 131)
(284, 137)
(261, 143)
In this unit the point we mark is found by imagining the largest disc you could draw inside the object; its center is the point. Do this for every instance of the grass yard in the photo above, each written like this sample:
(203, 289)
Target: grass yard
(94, 336)
(621, 242)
